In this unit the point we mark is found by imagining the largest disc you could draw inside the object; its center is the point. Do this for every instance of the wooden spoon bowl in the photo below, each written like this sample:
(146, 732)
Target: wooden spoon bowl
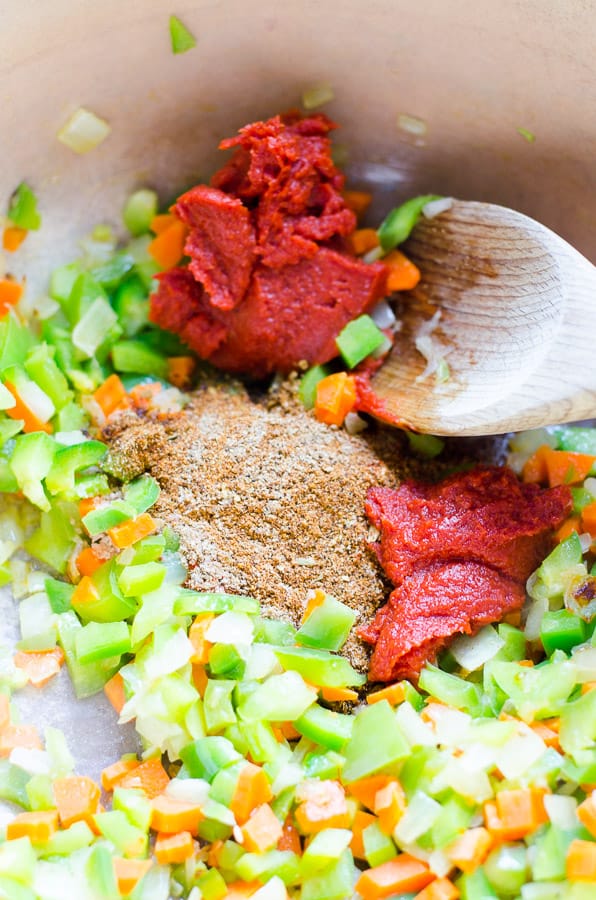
(517, 327)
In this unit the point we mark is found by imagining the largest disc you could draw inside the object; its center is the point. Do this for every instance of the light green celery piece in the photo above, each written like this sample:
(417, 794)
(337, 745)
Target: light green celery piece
(22, 210)
(191, 603)
(328, 626)
(389, 748)
(507, 869)
(330, 729)
(41, 366)
(97, 641)
(139, 211)
(32, 459)
(10, 889)
(62, 762)
(37, 623)
(13, 784)
(212, 885)
(578, 724)
(537, 692)
(325, 848)
(217, 705)
(87, 678)
(280, 698)
(181, 38)
(155, 885)
(319, 666)
(15, 341)
(334, 883)
(63, 843)
(17, 860)
(263, 866)
(451, 689)
(576, 439)
(398, 224)
(156, 609)
(135, 805)
(129, 840)
(99, 869)
(136, 581)
(378, 846)
(475, 886)
(94, 326)
(70, 460)
(54, 540)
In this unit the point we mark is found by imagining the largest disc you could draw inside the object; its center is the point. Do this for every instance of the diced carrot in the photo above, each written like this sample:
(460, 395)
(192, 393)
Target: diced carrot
(573, 523)
(390, 805)
(173, 848)
(403, 274)
(324, 806)
(586, 813)
(114, 691)
(21, 411)
(362, 240)
(19, 736)
(37, 826)
(180, 371)
(262, 831)
(357, 201)
(339, 695)
(399, 875)
(161, 222)
(129, 533)
(589, 518)
(366, 789)
(87, 562)
(199, 679)
(588, 686)
(13, 237)
(566, 467)
(252, 790)
(167, 249)
(10, 294)
(526, 664)
(77, 798)
(470, 849)
(336, 396)
(150, 776)
(361, 821)
(290, 839)
(288, 732)
(513, 618)
(142, 395)
(240, 890)
(198, 640)
(441, 889)
(515, 813)
(129, 872)
(39, 665)
(534, 470)
(394, 694)
(84, 592)
(112, 775)
(314, 600)
(172, 815)
(550, 737)
(111, 395)
(86, 505)
(4, 711)
(581, 861)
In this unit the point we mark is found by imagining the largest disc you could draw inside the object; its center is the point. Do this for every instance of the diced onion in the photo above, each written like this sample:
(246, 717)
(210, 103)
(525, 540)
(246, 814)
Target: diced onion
(534, 619)
(37, 400)
(412, 125)
(231, 628)
(317, 95)
(584, 661)
(472, 652)
(188, 790)
(585, 540)
(7, 401)
(273, 889)
(32, 760)
(354, 423)
(172, 656)
(590, 485)
(83, 131)
(520, 752)
(94, 326)
(416, 732)
(383, 349)
(383, 316)
(420, 815)
(373, 255)
(561, 811)
(69, 438)
(436, 207)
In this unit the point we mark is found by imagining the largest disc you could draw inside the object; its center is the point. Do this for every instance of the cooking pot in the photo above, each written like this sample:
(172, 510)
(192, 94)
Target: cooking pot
(471, 98)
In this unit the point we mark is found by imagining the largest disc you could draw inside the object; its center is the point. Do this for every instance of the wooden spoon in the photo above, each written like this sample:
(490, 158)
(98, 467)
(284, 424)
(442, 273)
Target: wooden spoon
(517, 327)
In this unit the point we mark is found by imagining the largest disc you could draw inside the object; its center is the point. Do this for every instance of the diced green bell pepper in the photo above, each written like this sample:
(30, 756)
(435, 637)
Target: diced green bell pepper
(328, 626)
(263, 866)
(134, 581)
(450, 689)
(139, 211)
(131, 303)
(141, 493)
(274, 631)
(576, 439)
(206, 756)
(68, 841)
(181, 39)
(358, 339)
(31, 460)
(562, 630)
(319, 667)
(280, 698)
(217, 705)
(87, 678)
(135, 805)
(112, 272)
(365, 757)
(22, 210)
(147, 550)
(102, 641)
(105, 517)
(225, 660)
(135, 356)
(397, 226)
(42, 368)
(307, 390)
(128, 840)
(59, 594)
(70, 460)
(552, 574)
(111, 605)
(325, 727)
(325, 848)
(191, 603)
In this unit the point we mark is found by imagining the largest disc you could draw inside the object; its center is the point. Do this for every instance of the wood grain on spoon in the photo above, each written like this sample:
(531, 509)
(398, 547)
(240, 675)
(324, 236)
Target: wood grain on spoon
(517, 326)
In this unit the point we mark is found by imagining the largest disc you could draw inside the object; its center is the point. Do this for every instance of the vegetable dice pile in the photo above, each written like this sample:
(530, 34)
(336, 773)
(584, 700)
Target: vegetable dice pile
(477, 783)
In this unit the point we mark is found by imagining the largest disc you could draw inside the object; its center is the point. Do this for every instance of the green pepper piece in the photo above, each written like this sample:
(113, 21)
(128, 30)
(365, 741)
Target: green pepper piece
(206, 756)
(147, 550)
(308, 384)
(330, 729)
(562, 630)
(85, 291)
(280, 698)
(32, 459)
(365, 757)
(135, 805)
(22, 210)
(475, 886)
(54, 540)
(59, 594)
(227, 661)
(191, 603)
(63, 843)
(13, 784)
(319, 667)
(131, 303)
(397, 226)
(141, 493)
(328, 626)
(358, 339)
(111, 605)
(324, 849)
(212, 885)
(87, 678)
(328, 764)
(426, 445)
(111, 273)
(127, 839)
(576, 439)
(139, 211)
(42, 368)
(62, 281)
(263, 866)
(578, 724)
(70, 460)
(137, 580)
(225, 782)
(274, 631)
(105, 641)
(135, 356)
(552, 574)
(99, 870)
(450, 689)
(181, 38)
(105, 517)
(15, 341)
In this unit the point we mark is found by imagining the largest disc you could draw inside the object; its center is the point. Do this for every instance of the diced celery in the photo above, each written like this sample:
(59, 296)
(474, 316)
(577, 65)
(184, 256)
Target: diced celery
(224, 783)
(181, 38)
(378, 846)
(87, 678)
(128, 840)
(328, 626)
(325, 727)
(37, 623)
(274, 631)
(217, 705)
(225, 660)
(105, 517)
(507, 869)
(54, 540)
(206, 756)
(536, 692)
(279, 698)
(319, 667)
(112, 272)
(334, 883)
(398, 224)
(145, 266)
(576, 439)
(17, 859)
(22, 210)
(15, 341)
(13, 784)
(85, 290)
(578, 724)
(41, 367)
(389, 748)
(105, 641)
(514, 647)
(308, 385)
(62, 281)
(425, 445)
(139, 211)
(211, 885)
(135, 805)
(70, 460)
(31, 461)
(261, 743)
(553, 571)
(40, 792)
(323, 765)
(95, 326)
(148, 550)
(549, 854)
(135, 356)
(63, 843)
(358, 339)
(450, 689)
(131, 303)
(141, 493)
(191, 603)
(454, 818)
(8, 429)
(420, 815)
(262, 866)
(325, 848)
(59, 594)
(99, 870)
(72, 417)
(134, 581)
(110, 605)
(475, 886)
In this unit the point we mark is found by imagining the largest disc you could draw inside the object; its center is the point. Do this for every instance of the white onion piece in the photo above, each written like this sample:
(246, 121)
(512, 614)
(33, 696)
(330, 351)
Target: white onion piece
(83, 131)
(590, 485)
(189, 790)
(436, 207)
(520, 752)
(37, 400)
(354, 423)
(69, 438)
(416, 732)
(420, 815)
(584, 661)
(383, 316)
(231, 628)
(472, 652)
(372, 255)
(32, 760)
(585, 540)
(534, 619)
(561, 811)
(273, 889)
(412, 125)
(174, 654)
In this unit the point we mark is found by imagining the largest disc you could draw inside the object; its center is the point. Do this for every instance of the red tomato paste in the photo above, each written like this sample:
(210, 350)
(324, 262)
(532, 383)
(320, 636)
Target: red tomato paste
(459, 554)
(270, 280)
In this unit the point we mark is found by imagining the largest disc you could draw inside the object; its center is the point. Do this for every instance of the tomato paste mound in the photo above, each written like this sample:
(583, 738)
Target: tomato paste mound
(270, 280)
(459, 554)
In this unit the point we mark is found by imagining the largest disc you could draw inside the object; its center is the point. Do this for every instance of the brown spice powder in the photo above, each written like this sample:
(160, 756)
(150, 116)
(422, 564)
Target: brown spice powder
(266, 500)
